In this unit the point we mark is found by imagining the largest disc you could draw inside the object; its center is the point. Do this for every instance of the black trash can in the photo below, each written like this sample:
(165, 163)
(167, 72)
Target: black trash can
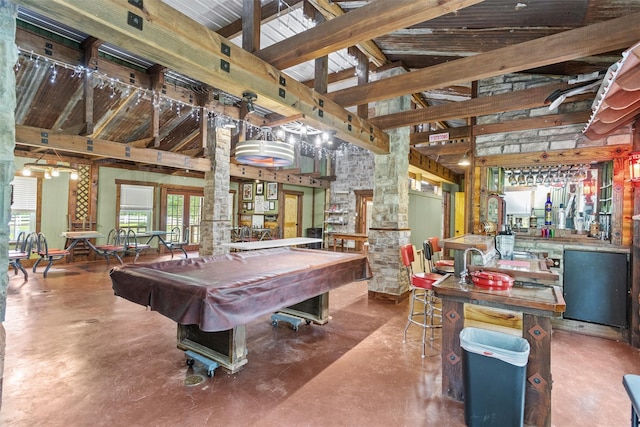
(314, 232)
(494, 370)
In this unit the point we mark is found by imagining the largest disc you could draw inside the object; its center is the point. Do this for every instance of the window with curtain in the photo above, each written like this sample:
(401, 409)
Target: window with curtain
(24, 207)
(136, 208)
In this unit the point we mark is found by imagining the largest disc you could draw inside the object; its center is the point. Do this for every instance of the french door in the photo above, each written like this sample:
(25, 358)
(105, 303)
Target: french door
(182, 207)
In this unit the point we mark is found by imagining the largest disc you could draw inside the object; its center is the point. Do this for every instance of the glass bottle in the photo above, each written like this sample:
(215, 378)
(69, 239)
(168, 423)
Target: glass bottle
(562, 218)
(533, 219)
(548, 213)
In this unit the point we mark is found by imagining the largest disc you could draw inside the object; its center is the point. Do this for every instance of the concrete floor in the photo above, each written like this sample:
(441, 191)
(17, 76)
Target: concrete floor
(79, 356)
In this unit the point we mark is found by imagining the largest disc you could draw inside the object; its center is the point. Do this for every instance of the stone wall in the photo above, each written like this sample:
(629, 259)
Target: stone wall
(545, 139)
(8, 58)
(215, 226)
(354, 171)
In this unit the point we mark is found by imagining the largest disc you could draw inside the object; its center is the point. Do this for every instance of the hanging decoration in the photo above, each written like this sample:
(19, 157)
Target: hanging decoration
(307, 141)
(50, 170)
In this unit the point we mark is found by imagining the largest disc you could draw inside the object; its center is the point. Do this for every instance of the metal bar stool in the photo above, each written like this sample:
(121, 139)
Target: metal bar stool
(421, 285)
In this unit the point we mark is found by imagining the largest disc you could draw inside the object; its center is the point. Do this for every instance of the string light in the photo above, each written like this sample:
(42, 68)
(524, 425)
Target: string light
(309, 141)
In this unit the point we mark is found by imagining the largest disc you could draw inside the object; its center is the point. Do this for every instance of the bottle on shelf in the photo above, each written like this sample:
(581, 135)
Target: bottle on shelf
(562, 218)
(533, 219)
(548, 210)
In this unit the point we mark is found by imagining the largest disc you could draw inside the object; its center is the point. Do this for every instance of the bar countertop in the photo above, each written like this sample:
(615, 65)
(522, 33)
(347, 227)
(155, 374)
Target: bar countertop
(533, 299)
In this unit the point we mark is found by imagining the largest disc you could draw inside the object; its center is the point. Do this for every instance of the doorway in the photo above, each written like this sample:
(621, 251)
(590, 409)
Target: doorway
(182, 207)
(364, 211)
(292, 224)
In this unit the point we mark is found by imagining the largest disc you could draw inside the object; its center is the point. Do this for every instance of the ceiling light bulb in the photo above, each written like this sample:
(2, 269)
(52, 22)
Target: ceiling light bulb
(464, 161)
(229, 124)
(47, 175)
(26, 171)
(55, 172)
(74, 174)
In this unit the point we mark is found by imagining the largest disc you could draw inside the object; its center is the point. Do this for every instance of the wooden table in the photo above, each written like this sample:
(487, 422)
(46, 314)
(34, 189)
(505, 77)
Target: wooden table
(537, 305)
(357, 237)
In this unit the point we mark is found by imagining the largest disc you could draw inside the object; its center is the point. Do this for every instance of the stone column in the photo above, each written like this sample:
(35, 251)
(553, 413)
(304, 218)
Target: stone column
(215, 226)
(390, 221)
(8, 58)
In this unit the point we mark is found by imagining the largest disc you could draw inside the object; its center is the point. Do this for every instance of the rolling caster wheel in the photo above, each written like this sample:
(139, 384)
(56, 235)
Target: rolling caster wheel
(274, 323)
(295, 328)
(308, 322)
(190, 362)
(210, 374)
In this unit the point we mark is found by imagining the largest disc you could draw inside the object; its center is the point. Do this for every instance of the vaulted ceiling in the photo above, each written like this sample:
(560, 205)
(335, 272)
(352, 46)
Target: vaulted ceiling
(314, 61)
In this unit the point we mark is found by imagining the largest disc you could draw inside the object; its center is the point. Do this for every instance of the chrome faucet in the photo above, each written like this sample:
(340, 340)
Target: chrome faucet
(465, 271)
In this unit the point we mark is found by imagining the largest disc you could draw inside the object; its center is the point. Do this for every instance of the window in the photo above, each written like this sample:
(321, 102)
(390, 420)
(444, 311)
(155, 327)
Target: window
(24, 207)
(136, 208)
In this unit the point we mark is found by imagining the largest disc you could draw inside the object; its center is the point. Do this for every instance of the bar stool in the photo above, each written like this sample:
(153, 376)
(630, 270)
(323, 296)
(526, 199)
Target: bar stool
(437, 252)
(440, 267)
(422, 292)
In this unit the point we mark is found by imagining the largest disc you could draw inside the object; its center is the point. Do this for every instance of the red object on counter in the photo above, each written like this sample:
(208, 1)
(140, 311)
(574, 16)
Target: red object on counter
(492, 280)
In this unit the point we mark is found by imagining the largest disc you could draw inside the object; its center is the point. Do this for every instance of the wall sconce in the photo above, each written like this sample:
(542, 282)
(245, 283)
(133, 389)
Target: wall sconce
(634, 166)
(464, 161)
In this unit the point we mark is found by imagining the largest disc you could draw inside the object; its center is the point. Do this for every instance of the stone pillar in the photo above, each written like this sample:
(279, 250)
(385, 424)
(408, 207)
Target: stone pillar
(8, 58)
(215, 226)
(390, 220)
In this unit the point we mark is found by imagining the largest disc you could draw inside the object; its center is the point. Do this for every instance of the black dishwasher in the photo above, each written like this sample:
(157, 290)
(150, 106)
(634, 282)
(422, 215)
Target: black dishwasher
(595, 287)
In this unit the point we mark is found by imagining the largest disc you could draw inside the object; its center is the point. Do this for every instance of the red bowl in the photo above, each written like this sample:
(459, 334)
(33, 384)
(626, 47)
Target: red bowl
(491, 280)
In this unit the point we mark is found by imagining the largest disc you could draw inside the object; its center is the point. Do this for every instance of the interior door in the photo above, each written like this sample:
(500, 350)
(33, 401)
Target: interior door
(292, 215)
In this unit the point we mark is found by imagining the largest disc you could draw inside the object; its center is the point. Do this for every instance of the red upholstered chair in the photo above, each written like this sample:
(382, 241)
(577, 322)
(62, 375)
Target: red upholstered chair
(21, 252)
(115, 245)
(438, 257)
(47, 253)
(434, 266)
(132, 246)
(177, 242)
(422, 293)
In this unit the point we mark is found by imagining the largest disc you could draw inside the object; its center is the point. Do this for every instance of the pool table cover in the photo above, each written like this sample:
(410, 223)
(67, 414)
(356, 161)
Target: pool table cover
(220, 292)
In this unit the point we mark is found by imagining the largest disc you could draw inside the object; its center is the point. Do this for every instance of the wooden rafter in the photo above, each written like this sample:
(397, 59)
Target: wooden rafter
(594, 39)
(167, 37)
(522, 99)
(365, 23)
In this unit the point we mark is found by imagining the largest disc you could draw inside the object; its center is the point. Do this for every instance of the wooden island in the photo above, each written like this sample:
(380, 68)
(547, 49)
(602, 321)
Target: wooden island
(537, 303)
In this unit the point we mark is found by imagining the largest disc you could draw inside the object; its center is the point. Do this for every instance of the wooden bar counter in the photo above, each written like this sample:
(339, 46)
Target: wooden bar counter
(537, 305)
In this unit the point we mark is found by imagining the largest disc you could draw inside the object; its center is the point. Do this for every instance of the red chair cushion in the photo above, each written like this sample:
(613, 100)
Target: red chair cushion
(424, 280)
(444, 263)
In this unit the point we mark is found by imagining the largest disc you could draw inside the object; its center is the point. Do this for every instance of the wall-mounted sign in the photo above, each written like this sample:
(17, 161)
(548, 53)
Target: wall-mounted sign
(439, 137)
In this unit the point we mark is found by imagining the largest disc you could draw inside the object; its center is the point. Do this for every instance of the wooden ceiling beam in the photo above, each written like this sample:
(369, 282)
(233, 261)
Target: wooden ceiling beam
(464, 132)
(594, 39)
(284, 176)
(331, 10)
(517, 100)
(365, 23)
(557, 157)
(269, 12)
(36, 137)
(163, 35)
(423, 162)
